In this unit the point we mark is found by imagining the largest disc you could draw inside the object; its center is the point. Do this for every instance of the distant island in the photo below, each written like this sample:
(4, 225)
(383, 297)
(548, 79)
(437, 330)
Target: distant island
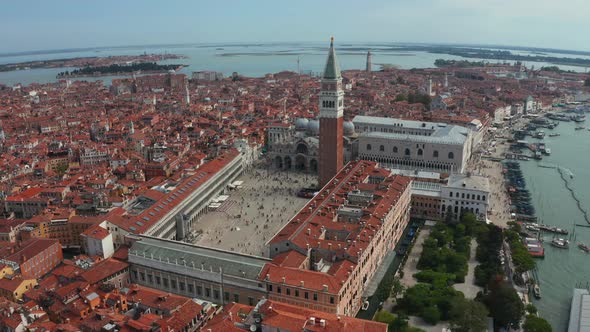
(116, 69)
(458, 63)
(507, 55)
(81, 62)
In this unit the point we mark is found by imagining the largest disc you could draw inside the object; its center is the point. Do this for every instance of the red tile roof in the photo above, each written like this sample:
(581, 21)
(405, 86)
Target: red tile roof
(96, 232)
(103, 270)
(166, 202)
(286, 317)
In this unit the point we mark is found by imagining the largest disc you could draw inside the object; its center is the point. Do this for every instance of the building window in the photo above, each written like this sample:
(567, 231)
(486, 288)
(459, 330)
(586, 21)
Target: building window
(331, 300)
(462, 195)
(395, 149)
(216, 294)
(297, 293)
(181, 284)
(306, 295)
(407, 152)
(483, 198)
(368, 147)
(478, 197)
(199, 290)
(226, 296)
(150, 280)
(191, 288)
(450, 194)
(250, 301)
(270, 288)
(142, 276)
(135, 274)
(451, 155)
(288, 291)
(381, 148)
(165, 280)
(420, 152)
(279, 289)
(207, 292)
(315, 296)
(236, 298)
(173, 284)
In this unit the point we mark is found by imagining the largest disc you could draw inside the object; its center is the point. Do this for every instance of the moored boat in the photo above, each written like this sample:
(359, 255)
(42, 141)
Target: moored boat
(584, 247)
(537, 291)
(560, 243)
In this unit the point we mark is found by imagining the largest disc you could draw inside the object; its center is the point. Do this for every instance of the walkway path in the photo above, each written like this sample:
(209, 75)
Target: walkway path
(498, 198)
(469, 288)
(410, 267)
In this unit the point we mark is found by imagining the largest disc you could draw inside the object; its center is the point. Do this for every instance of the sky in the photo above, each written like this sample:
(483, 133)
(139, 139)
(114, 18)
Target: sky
(58, 24)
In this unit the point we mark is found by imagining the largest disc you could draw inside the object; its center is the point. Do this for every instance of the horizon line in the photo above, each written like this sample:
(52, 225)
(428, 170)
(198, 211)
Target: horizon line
(454, 44)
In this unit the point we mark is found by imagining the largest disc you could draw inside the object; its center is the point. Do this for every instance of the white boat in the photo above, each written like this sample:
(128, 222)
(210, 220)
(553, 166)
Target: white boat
(560, 243)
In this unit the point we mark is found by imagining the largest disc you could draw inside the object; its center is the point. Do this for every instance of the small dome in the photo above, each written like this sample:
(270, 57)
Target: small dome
(313, 128)
(301, 124)
(348, 127)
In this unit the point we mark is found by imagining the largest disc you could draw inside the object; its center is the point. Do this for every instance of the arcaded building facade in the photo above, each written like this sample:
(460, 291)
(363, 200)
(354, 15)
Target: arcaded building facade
(414, 145)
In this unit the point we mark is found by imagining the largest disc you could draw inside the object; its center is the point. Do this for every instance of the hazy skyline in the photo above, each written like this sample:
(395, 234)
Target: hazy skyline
(58, 24)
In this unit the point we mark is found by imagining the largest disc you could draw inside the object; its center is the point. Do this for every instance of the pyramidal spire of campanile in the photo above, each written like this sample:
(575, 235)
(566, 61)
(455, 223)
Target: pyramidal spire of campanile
(332, 70)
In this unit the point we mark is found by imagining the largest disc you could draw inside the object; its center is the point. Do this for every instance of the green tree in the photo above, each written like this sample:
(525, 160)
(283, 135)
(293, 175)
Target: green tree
(397, 288)
(431, 315)
(468, 315)
(416, 299)
(505, 305)
(531, 309)
(399, 324)
(536, 324)
(384, 317)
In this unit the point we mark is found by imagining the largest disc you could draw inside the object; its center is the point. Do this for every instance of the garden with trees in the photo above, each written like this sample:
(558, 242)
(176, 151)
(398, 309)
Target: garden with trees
(443, 263)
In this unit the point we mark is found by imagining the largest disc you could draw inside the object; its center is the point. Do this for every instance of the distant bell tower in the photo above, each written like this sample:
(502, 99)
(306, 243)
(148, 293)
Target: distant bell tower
(369, 62)
(331, 119)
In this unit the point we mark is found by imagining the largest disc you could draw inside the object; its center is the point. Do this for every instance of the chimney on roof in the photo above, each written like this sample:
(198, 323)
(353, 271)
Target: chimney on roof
(284, 280)
(267, 277)
(312, 320)
(309, 231)
(302, 283)
(322, 322)
(325, 288)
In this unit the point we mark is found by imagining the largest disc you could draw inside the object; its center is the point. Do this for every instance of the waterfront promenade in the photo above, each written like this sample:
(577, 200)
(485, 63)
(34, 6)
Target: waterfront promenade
(499, 211)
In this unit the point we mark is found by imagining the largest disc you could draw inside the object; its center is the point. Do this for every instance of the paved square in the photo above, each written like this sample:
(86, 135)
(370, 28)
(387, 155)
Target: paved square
(254, 213)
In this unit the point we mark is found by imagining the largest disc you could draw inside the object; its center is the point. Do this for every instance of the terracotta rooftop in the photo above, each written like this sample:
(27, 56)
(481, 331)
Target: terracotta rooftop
(96, 232)
(286, 317)
(138, 224)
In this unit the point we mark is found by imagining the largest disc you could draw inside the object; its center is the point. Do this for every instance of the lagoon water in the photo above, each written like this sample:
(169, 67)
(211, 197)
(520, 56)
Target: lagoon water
(561, 269)
(248, 60)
